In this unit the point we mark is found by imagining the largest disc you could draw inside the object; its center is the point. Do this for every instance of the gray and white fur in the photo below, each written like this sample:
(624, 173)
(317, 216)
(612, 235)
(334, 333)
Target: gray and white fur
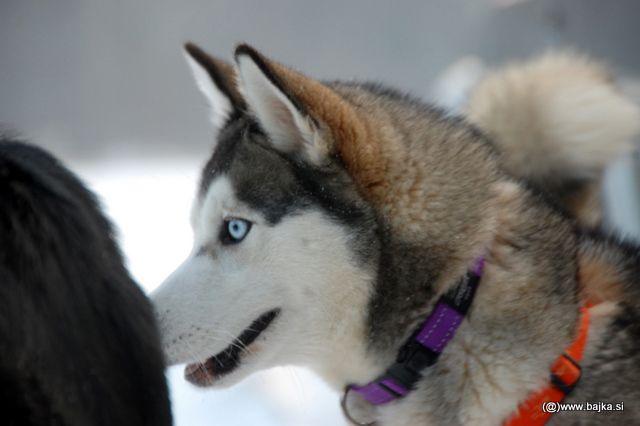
(362, 205)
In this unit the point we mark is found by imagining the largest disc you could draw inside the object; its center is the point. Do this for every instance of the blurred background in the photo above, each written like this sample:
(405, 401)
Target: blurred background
(103, 85)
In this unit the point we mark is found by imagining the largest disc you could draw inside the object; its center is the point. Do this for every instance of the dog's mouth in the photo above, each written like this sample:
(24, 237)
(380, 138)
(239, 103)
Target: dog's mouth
(207, 372)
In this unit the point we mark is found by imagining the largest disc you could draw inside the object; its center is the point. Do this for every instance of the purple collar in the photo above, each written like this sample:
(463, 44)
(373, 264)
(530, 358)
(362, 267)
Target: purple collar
(425, 345)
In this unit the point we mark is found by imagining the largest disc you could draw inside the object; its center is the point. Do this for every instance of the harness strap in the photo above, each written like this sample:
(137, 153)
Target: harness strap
(565, 374)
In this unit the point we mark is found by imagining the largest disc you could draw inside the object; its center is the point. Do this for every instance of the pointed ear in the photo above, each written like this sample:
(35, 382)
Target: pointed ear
(294, 123)
(216, 79)
(305, 116)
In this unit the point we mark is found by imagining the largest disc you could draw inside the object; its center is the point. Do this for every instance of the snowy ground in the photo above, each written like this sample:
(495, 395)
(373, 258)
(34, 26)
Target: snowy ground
(149, 202)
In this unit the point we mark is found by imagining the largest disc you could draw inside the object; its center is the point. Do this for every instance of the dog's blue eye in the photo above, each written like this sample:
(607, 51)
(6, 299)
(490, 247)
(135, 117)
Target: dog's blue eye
(234, 230)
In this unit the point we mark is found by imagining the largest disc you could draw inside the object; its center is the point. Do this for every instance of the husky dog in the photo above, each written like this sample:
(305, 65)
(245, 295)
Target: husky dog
(332, 218)
(78, 340)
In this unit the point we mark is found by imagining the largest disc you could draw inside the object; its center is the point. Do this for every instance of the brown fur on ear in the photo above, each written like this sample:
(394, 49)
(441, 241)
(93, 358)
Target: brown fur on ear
(348, 132)
(221, 72)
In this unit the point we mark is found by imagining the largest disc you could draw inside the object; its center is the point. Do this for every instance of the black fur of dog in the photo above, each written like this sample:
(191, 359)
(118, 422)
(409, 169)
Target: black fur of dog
(78, 340)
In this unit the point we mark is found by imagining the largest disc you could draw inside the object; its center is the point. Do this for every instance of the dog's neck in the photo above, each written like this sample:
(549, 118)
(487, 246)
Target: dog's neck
(501, 352)
(414, 273)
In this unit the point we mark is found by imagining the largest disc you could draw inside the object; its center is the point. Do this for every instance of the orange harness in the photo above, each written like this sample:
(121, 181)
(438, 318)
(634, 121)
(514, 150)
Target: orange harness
(565, 373)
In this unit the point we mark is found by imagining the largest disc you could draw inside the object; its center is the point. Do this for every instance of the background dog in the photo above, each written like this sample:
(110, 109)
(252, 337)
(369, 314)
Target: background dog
(78, 338)
(557, 121)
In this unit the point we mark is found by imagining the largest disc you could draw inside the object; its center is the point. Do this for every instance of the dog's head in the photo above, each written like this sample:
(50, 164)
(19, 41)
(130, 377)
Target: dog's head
(285, 246)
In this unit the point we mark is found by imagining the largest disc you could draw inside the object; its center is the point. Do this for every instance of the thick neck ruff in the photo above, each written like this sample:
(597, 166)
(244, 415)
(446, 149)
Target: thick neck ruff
(425, 345)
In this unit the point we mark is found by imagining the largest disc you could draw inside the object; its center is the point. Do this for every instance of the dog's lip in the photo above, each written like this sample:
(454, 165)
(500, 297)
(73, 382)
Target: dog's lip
(199, 373)
(205, 373)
